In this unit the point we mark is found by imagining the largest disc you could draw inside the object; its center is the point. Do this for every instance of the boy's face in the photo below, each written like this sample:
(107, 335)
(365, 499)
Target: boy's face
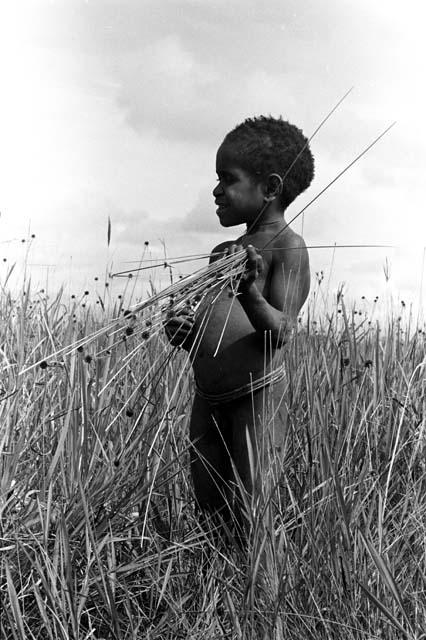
(238, 196)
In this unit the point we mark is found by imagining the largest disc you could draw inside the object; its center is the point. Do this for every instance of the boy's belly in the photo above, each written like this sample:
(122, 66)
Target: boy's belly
(231, 357)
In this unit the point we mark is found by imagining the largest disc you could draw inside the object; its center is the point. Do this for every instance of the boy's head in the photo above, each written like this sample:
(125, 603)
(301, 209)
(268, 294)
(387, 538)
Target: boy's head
(266, 145)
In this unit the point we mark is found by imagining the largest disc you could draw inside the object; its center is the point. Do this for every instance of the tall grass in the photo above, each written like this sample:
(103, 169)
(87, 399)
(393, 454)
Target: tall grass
(100, 537)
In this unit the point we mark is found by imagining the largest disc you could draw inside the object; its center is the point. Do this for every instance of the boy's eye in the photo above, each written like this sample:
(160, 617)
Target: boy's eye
(227, 178)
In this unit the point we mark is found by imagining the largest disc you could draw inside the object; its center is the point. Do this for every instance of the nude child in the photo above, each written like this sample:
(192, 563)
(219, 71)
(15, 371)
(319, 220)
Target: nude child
(242, 382)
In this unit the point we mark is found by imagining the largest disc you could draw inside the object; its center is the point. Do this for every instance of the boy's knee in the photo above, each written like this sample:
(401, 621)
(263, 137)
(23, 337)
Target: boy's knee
(212, 503)
(209, 482)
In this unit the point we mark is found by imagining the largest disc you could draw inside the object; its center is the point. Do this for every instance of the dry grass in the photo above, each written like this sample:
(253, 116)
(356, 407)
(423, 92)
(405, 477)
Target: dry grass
(99, 535)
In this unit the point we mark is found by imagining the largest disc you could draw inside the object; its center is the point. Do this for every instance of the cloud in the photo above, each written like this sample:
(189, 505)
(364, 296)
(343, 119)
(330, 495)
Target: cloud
(190, 73)
(163, 86)
(172, 61)
(133, 227)
(130, 227)
(380, 177)
(202, 217)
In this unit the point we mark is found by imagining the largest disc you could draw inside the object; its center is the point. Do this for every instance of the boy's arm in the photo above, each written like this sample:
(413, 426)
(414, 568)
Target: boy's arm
(289, 288)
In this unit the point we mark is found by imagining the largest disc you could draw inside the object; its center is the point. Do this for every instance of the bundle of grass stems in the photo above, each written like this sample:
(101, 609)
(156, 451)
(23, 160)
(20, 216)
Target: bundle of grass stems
(183, 296)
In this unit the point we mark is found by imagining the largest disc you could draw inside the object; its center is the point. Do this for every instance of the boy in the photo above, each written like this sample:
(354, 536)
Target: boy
(262, 166)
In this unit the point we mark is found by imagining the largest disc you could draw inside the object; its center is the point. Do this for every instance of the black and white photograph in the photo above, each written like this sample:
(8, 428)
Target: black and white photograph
(212, 320)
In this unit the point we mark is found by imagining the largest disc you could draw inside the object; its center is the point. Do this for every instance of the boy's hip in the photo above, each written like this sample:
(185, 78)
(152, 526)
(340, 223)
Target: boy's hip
(253, 386)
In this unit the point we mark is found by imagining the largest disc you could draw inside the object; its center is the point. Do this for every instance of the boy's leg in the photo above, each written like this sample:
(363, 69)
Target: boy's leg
(210, 463)
(263, 416)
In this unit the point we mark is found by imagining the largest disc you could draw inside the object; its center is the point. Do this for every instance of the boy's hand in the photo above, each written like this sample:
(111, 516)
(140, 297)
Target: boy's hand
(178, 327)
(254, 265)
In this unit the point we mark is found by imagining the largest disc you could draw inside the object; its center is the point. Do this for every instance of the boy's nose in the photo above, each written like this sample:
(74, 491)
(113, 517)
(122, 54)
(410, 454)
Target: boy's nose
(218, 189)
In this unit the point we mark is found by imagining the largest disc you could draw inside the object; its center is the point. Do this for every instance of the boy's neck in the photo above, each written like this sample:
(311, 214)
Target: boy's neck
(268, 220)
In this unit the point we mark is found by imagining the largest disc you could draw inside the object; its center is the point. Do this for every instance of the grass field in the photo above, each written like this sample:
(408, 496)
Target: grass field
(99, 533)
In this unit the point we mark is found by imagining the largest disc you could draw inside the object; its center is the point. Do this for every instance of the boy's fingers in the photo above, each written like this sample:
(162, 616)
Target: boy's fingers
(254, 264)
(254, 258)
(179, 326)
(180, 315)
(177, 333)
(179, 322)
(252, 253)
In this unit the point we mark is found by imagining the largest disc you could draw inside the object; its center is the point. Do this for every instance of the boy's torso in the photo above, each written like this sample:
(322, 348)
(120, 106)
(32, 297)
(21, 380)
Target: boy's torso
(230, 352)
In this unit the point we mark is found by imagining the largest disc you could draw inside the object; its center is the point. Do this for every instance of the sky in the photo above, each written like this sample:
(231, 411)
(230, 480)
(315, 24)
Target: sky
(114, 109)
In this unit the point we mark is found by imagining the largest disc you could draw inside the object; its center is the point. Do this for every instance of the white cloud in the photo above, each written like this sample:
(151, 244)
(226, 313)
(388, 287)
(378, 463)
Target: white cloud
(202, 217)
(162, 88)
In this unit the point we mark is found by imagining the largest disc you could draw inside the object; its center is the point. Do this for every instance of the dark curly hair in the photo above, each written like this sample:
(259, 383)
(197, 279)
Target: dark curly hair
(266, 145)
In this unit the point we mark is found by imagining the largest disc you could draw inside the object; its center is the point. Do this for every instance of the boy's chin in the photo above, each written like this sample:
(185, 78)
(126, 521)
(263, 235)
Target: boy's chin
(229, 223)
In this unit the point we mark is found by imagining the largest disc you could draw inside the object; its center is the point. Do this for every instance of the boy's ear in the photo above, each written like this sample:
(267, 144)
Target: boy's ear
(273, 187)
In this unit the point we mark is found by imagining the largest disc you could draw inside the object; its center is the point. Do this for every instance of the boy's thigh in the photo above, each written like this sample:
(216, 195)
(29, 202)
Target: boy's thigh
(210, 463)
(259, 423)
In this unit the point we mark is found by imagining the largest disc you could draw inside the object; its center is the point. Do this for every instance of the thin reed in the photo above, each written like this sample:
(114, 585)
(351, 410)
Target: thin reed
(100, 537)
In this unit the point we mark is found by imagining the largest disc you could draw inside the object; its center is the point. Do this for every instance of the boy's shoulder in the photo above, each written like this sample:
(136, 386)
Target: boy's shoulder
(219, 249)
(289, 247)
(288, 239)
